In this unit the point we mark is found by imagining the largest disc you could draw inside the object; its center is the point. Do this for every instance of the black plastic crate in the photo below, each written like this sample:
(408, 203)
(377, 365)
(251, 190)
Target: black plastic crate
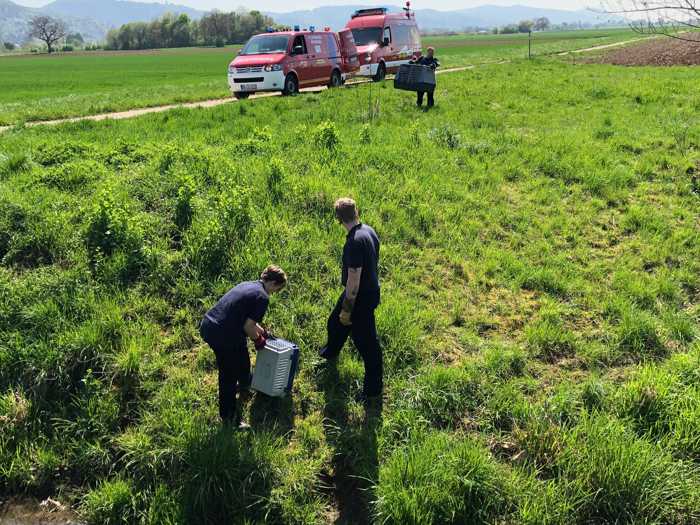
(414, 77)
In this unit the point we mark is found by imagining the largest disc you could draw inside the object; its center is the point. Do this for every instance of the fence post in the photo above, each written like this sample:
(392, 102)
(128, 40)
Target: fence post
(529, 45)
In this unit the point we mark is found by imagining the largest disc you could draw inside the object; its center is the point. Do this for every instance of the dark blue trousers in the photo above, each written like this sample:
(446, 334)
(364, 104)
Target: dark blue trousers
(364, 335)
(233, 362)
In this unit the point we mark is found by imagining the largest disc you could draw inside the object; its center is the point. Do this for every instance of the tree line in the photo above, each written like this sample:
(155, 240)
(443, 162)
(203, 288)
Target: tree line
(524, 26)
(171, 30)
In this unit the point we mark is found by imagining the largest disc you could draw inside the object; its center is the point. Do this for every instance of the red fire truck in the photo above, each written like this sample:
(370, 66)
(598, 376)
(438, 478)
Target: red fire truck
(289, 60)
(384, 40)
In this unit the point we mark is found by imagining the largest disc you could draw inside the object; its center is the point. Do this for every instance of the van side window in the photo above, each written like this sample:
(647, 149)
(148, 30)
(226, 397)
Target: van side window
(332, 46)
(387, 33)
(299, 41)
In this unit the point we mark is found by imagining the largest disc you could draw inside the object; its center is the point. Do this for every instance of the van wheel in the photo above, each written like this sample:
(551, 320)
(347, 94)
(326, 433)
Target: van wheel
(381, 73)
(291, 85)
(336, 79)
(241, 96)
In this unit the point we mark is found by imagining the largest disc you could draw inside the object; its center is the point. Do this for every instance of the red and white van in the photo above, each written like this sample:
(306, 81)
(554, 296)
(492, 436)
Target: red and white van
(384, 40)
(289, 60)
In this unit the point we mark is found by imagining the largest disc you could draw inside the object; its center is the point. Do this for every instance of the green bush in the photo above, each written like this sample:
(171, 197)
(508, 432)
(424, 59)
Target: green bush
(326, 136)
(442, 478)
(109, 225)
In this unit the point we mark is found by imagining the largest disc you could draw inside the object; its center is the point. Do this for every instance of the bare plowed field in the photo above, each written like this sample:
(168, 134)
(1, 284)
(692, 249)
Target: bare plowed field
(664, 51)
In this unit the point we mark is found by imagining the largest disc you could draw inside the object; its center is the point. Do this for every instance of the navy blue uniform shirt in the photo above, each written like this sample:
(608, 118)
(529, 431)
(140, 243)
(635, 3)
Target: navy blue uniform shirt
(430, 62)
(362, 251)
(247, 300)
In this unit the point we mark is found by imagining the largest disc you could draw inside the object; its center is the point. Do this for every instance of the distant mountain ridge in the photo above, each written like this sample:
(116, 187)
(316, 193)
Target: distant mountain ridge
(93, 18)
(14, 23)
(485, 16)
(114, 13)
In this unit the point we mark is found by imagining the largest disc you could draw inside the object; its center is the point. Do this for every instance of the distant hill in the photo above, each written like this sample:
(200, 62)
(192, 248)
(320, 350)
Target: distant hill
(14, 22)
(91, 18)
(114, 13)
(486, 16)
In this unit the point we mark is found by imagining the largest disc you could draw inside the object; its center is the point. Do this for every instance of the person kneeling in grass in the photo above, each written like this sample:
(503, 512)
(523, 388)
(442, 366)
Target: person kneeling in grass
(225, 326)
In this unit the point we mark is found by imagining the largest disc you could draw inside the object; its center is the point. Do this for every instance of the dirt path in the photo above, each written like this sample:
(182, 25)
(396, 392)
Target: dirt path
(219, 101)
(131, 113)
(605, 46)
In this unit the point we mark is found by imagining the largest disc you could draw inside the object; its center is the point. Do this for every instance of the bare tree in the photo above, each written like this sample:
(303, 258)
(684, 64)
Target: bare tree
(47, 29)
(673, 18)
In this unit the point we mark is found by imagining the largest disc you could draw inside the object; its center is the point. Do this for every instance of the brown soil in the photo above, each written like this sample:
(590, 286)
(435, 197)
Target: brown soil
(31, 512)
(662, 51)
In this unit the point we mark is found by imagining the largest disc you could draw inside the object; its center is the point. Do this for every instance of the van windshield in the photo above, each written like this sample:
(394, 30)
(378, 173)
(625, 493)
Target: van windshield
(266, 44)
(367, 35)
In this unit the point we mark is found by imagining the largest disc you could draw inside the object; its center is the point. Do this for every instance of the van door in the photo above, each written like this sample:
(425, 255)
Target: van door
(300, 60)
(318, 56)
(348, 51)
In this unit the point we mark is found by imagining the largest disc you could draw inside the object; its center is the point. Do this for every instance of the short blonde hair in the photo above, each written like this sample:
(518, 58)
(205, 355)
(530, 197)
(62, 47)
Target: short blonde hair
(274, 274)
(431, 49)
(346, 210)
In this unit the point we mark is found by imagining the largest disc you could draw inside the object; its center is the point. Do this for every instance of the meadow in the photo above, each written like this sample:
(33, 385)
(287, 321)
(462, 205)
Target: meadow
(541, 281)
(48, 87)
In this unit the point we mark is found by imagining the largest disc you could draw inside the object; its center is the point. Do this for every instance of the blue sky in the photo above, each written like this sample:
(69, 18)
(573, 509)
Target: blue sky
(285, 5)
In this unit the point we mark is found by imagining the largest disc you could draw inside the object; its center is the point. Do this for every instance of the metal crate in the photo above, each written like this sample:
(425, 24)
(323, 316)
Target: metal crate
(414, 77)
(275, 368)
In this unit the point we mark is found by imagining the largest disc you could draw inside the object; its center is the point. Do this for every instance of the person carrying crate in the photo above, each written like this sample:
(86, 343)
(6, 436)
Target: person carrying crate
(430, 61)
(354, 312)
(224, 328)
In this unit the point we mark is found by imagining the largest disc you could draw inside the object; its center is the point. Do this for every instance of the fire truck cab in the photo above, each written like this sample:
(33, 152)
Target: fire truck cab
(289, 60)
(384, 40)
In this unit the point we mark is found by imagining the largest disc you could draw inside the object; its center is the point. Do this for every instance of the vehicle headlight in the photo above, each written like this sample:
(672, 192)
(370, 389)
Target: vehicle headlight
(231, 69)
(273, 67)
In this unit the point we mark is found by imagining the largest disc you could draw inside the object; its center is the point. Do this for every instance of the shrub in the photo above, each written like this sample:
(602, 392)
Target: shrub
(108, 225)
(258, 141)
(210, 239)
(73, 175)
(54, 153)
(442, 479)
(326, 136)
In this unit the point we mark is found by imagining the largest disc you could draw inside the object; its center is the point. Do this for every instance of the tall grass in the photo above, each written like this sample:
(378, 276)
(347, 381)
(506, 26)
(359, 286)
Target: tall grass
(538, 319)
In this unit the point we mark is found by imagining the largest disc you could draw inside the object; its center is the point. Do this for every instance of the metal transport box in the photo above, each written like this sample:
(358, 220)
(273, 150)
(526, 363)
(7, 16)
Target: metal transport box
(414, 77)
(275, 368)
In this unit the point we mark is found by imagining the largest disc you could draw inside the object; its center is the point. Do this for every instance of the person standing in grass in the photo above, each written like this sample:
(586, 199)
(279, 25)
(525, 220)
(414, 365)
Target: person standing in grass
(430, 61)
(225, 326)
(354, 311)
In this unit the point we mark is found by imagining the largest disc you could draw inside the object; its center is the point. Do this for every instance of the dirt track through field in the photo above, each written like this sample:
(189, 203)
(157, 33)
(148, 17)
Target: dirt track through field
(219, 101)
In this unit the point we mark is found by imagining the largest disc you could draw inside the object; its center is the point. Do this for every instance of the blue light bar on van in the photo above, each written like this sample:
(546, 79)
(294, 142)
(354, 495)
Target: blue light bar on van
(296, 28)
(370, 12)
(312, 28)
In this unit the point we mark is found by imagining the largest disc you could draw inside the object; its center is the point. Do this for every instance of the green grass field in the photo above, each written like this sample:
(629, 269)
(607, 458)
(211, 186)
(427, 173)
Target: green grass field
(47, 87)
(541, 281)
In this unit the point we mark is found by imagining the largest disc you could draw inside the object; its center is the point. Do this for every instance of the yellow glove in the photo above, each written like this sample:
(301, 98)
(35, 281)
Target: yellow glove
(345, 318)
